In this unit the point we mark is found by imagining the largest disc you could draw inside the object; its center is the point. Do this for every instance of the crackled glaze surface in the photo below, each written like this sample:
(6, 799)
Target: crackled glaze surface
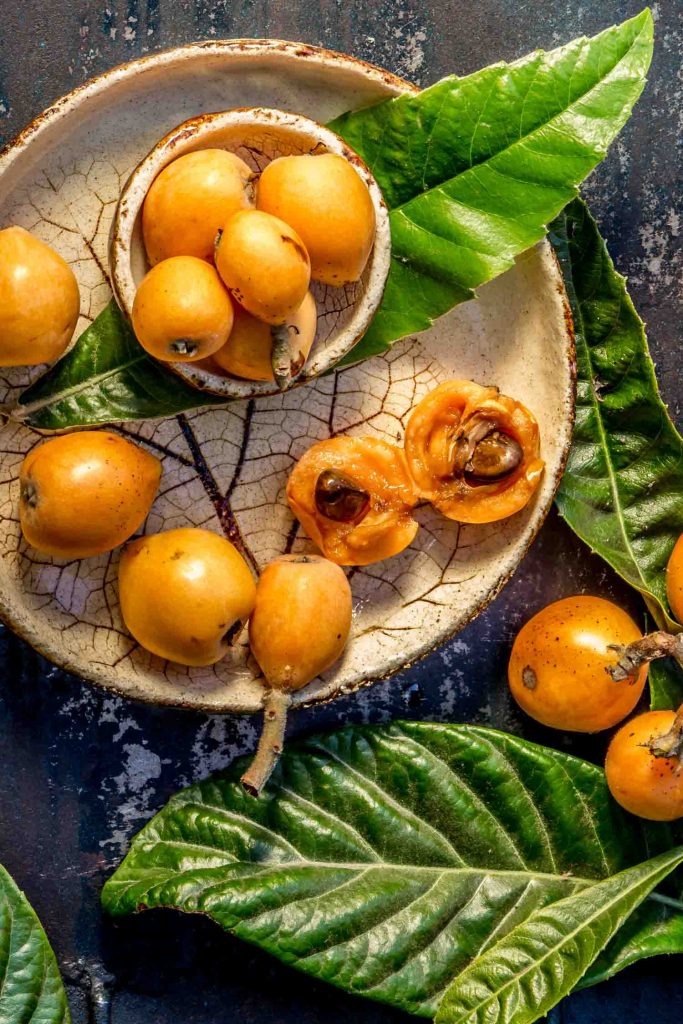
(226, 469)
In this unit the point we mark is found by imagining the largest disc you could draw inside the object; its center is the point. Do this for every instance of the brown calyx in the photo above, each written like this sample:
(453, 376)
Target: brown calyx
(340, 499)
(232, 635)
(28, 493)
(671, 743)
(184, 347)
(249, 188)
(529, 678)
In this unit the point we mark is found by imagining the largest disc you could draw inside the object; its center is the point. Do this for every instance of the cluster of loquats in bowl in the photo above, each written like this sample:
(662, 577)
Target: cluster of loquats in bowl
(233, 254)
(581, 664)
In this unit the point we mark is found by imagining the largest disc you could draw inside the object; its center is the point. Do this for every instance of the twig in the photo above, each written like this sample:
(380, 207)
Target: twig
(649, 648)
(671, 743)
(275, 706)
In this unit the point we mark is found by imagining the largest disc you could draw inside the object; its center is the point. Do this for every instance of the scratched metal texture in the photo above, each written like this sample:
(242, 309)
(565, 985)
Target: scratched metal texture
(81, 771)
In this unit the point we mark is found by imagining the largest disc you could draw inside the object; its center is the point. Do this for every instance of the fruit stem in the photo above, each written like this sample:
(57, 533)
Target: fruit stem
(649, 648)
(286, 363)
(280, 360)
(276, 704)
(671, 743)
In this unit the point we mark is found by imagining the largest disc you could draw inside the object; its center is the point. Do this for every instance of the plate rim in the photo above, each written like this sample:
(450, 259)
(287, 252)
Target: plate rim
(321, 56)
(130, 69)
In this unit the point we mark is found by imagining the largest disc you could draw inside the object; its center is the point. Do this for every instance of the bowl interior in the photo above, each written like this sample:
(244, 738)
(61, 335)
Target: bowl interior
(257, 136)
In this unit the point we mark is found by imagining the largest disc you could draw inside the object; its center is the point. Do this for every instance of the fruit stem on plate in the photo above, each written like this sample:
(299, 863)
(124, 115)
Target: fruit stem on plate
(276, 704)
(283, 362)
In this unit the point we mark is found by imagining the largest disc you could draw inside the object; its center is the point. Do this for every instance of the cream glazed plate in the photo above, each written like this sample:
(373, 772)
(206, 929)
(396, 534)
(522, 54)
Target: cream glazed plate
(226, 468)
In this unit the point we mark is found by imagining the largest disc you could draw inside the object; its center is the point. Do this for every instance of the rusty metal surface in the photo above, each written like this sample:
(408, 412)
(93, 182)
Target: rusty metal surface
(82, 771)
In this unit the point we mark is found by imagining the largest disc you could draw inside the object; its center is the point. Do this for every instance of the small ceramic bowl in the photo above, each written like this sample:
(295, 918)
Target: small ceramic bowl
(257, 135)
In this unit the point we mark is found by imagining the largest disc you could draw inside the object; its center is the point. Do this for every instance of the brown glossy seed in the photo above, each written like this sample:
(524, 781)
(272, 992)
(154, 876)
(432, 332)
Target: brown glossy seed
(494, 457)
(339, 498)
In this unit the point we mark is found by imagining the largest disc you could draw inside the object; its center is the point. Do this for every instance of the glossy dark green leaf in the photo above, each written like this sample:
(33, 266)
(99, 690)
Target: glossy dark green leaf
(473, 169)
(654, 929)
(665, 679)
(106, 376)
(524, 975)
(622, 491)
(31, 990)
(384, 860)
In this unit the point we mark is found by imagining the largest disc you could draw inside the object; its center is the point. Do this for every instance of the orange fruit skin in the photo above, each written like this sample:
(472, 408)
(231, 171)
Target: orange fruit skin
(674, 580)
(181, 311)
(248, 351)
(39, 300)
(182, 592)
(264, 265)
(566, 648)
(650, 787)
(301, 619)
(329, 206)
(190, 200)
(85, 493)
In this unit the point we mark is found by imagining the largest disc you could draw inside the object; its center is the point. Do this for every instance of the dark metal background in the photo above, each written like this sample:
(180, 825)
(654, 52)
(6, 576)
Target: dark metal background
(81, 772)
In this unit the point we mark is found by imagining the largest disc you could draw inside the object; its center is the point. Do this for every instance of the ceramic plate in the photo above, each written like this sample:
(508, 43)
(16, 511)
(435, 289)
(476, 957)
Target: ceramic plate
(226, 469)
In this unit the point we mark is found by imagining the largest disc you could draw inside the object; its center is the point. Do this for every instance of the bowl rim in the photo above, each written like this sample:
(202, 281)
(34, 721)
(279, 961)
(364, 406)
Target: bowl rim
(240, 46)
(106, 679)
(187, 137)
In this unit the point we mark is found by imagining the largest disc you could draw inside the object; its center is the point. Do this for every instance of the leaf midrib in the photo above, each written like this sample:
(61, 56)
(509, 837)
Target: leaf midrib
(595, 403)
(521, 139)
(60, 396)
(266, 866)
(567, 937)
(382, 865)
(427, 869)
